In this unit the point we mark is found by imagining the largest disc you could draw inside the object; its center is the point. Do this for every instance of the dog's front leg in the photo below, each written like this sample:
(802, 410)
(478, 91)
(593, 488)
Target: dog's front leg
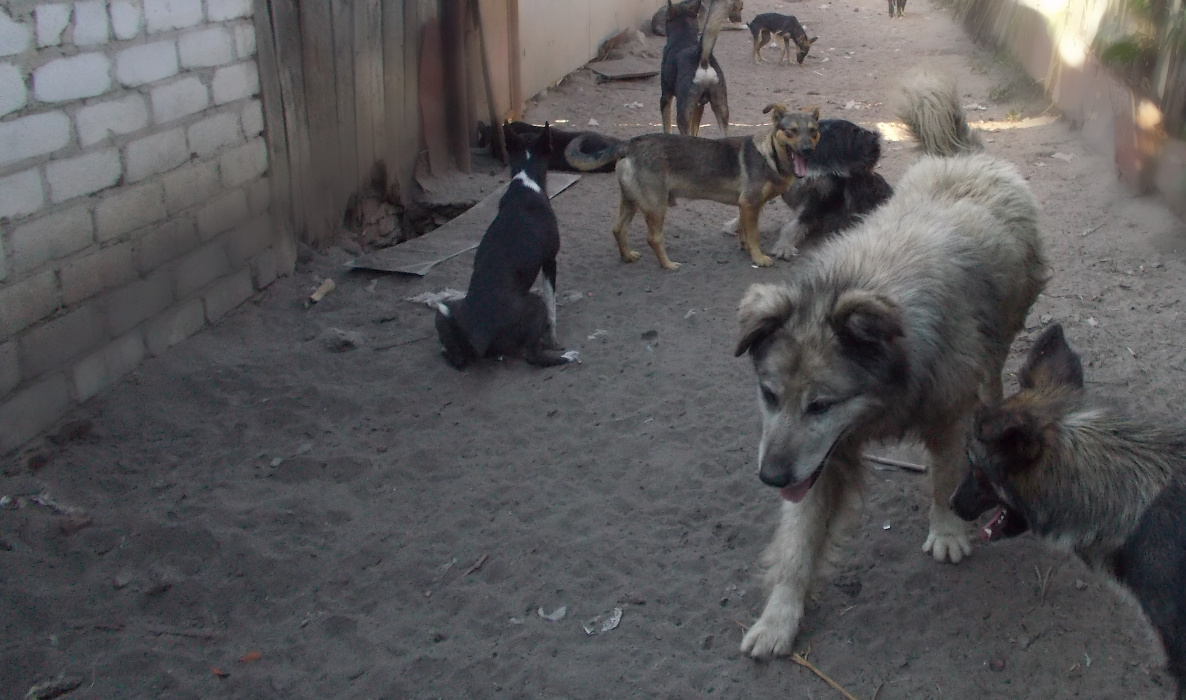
(948, 536)
(751, 235)
(791, 561)
(548, 290)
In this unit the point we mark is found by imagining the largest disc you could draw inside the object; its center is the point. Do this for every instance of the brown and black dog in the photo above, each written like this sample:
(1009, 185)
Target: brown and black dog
(748, 171)
(1107, 487)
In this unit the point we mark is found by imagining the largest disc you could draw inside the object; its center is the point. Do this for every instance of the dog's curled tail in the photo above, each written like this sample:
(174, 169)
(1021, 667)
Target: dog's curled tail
(930, 106)
(582, 157)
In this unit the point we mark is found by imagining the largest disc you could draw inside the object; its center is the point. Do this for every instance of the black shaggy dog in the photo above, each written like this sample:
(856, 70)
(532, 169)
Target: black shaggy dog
(499, 315)
(841, 185)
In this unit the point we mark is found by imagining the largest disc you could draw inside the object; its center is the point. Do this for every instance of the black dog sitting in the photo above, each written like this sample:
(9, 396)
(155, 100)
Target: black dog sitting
(499, 315)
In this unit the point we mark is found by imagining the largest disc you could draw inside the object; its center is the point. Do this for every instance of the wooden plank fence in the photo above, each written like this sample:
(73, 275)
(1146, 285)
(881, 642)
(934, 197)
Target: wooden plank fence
(344, 91)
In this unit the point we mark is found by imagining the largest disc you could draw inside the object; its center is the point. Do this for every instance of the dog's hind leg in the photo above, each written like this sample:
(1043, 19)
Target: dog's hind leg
(691, 120)
(655, 221)
(665, 110)
(760, 41)
(548, 291)
(625, 216)
(720, 108)
(794, 556)
(948, 536)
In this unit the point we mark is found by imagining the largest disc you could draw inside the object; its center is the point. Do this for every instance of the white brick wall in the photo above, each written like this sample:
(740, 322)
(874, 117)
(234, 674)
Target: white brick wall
(72, 78)
(178, 99)
(163, 15)
(129, 209)
(125, 19)
(21, 194)
(52, 19)
(102, 369)
(235, 82)
(220, 10)
(133, 195)
(90, 23)
(147, 63)
(51, 237)
(34, 135)
(13, 95)
(97, 122)
(14, 36)
(156, 154)
(209, 47)
(211, 134)
(86, 174)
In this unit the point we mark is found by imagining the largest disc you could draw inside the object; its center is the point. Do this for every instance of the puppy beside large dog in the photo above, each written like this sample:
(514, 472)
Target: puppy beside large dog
(1109, 488)
(900, 326)
(784, 28)
(654, 169)
(499, 315)
(690, 76)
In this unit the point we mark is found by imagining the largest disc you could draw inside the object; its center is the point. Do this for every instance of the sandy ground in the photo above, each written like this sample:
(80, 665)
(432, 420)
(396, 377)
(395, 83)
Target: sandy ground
(257, 516)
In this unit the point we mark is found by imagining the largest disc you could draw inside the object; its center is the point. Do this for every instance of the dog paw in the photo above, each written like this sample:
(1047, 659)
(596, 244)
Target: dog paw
(768, 638)
(571, 356)
(785, 252)
(948, 538)
(631, 256)
(762, 260)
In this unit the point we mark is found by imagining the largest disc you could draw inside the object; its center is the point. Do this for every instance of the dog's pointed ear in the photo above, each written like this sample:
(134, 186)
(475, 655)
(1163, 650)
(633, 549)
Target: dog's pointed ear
(543, 143)
(867, 320)
(813, 111)
(763, 310)
(511, 138)
(779, 111)
(1051, 363)
(812, 40)
(1014, 435)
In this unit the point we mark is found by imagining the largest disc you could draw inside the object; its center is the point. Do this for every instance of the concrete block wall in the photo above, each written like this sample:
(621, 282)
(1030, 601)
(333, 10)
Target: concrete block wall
(134, 193)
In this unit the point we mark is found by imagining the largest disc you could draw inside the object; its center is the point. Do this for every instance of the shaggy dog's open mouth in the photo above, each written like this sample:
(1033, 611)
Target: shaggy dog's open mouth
(797, 492)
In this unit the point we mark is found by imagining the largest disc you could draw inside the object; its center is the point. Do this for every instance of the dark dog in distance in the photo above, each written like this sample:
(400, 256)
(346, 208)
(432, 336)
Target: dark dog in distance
(499, 315)
(591, 141)
(1109, 488)
(897, 5)
(784, 28)
(690, 76)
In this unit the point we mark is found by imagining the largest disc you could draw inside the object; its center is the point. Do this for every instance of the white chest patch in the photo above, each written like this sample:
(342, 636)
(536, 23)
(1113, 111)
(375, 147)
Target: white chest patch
(527, 182)
(705, 76)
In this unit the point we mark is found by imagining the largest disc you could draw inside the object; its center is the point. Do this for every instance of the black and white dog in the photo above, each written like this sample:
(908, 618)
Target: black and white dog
(499, 315)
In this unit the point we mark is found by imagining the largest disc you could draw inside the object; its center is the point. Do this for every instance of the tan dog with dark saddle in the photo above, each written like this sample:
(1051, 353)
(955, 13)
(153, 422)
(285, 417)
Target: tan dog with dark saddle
(746, 171)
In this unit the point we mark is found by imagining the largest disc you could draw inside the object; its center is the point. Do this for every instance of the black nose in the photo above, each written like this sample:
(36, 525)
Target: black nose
(774, 476)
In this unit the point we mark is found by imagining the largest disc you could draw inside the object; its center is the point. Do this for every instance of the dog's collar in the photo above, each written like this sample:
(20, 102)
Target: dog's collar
(775, 162)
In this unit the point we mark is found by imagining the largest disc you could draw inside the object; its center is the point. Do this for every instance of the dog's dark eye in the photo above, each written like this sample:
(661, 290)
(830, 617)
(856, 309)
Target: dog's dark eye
(820, 406)
(770, 398)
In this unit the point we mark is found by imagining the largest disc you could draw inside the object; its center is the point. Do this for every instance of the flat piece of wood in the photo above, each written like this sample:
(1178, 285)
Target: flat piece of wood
(419, 255)
(625, 68)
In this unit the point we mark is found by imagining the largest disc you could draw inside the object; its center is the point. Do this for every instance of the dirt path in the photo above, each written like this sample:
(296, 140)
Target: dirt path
(377, 525)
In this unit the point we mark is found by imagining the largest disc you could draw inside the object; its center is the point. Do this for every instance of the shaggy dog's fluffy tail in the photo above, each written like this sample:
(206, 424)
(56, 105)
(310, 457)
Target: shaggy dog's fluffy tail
(930, 107)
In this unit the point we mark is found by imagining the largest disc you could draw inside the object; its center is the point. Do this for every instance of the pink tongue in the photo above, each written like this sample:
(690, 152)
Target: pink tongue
(797, 492)
(992, 530)
(800, 165)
